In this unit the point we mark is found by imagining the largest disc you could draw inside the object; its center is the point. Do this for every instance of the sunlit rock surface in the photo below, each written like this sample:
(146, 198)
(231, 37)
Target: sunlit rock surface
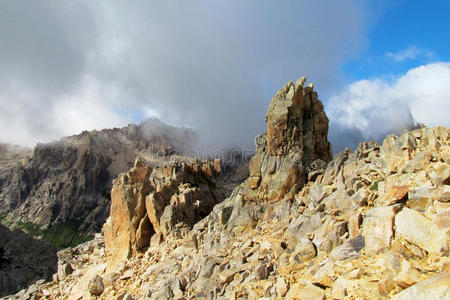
(370, 224)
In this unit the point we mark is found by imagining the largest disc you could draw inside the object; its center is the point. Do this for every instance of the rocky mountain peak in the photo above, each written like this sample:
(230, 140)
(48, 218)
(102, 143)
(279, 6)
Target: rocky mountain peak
(294, 145)
(296, 121)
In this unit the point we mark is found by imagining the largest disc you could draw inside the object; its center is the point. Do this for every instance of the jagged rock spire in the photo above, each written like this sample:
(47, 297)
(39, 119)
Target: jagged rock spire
(297, 129)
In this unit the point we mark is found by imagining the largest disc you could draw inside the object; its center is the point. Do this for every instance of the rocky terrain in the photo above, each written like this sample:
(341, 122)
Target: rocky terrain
(71, 178)
(60, 192)
(368, 224)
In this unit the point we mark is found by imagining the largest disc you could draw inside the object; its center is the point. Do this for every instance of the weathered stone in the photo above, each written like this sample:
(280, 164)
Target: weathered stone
(297, 128)
(155, 204)
(254, 181)
(64, 270)
(281, 287)
(419, 230)
(439, 174)
(299, 291)
(378, 228)
(96, 286)
(304, 251)
(325, 274)
(407, 276)
(354, 224)
(328, 236)
(148, 200)
(261, 272)
(350, 249)
(435, 288)
(127, 210)
(395, 195)
(228, 275)
(300, 226)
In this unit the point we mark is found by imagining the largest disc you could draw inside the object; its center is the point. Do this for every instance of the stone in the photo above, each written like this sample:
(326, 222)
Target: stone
(281, 287)
(434, 288)
(96, 286)
(127, 210)
(299, 291)
(354, 224)
(378, 228)
(64, 270)
(325, 274)
(148, 201)
(228, 275)
(155, 204)
(349, 250)
(342, 287)
(395, 195)
(299, 227)
(254, 181)
(419, 230)
(407, 276)
(328, 236)
(304, 251)
(439, 174)
(261, 272)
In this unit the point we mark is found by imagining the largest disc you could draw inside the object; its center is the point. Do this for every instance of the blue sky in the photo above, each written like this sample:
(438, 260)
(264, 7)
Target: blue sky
(420, 30)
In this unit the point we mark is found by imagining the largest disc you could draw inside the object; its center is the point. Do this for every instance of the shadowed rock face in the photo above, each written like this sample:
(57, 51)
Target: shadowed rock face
(296, 139)
(23, 260)
(71, 178)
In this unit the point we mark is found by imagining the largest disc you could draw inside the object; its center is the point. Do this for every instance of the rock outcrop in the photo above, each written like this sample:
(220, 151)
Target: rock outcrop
(370, 224)
(294, 146)
(156, 203)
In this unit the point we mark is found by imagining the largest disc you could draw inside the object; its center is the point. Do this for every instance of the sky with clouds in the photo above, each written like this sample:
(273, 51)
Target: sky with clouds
(214, 65)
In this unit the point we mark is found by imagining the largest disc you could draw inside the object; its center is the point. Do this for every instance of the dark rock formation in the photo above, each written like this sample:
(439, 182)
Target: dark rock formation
(23, 260)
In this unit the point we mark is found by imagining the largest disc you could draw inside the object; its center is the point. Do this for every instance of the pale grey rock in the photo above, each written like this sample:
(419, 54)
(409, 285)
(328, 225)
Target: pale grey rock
(435, 288)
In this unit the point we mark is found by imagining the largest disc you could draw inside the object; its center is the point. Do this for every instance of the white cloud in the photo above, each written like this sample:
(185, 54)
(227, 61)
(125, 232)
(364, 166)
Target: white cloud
(369, 109)
(410, 53)
(86, 109)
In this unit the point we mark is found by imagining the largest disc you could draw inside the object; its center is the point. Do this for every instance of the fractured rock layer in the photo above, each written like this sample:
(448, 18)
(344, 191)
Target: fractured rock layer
(295, 142)
(155, 203)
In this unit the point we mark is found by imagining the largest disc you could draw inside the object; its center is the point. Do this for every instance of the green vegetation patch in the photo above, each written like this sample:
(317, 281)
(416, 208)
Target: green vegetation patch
(61, 235)
(374, 187)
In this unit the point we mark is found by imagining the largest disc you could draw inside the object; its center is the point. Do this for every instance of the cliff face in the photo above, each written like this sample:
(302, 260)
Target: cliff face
(71, 178)
(369, 224)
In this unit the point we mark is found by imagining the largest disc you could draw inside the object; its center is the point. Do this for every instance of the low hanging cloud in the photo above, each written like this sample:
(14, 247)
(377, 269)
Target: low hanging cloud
(370, 109)
(69, 66)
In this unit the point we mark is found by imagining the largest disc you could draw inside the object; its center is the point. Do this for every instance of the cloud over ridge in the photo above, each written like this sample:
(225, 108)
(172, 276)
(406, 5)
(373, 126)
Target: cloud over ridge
(212, 66)
(370, 109)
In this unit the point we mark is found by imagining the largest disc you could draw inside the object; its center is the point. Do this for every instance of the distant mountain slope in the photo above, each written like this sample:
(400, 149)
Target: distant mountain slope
(23, 260)
(71, 178)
